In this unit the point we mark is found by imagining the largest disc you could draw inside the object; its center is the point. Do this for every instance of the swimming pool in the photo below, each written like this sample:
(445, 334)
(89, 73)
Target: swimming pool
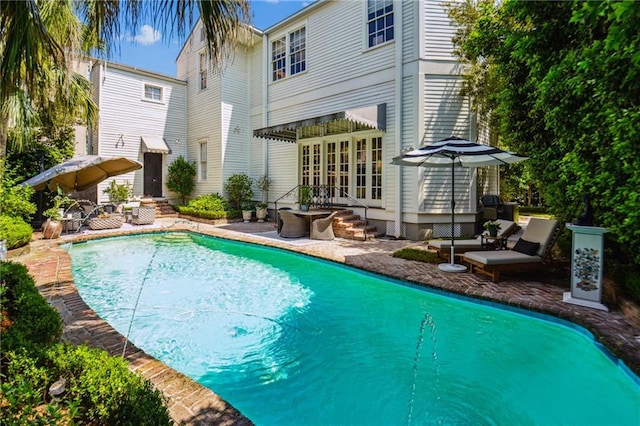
(288, 339)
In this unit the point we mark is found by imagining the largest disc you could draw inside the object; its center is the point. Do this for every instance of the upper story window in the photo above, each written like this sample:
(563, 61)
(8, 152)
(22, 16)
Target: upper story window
(379, 21)
(279, 58)
(153, 93)
(298, 51)
(289, 53)
(203, 34)
(203, 71)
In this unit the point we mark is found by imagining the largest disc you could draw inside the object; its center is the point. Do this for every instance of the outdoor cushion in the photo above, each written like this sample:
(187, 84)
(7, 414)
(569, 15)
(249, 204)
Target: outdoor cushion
(540, 231)
(501, 257)
(526, 247)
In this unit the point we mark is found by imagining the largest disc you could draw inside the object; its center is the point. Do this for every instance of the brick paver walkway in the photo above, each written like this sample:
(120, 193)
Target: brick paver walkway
(191, 403)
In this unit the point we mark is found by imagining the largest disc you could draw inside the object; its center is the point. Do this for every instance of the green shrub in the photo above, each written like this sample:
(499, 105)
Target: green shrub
(15, 200)
(35, 322)
(180, 177)
(238, 189)
(204, 213)
(211, 202)
(24, 394)
(105, 388)
(15, 231)
(425, 256)
(101, 384)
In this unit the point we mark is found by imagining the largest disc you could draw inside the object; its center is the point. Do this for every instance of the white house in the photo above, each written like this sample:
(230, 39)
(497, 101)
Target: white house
(328, 97)
(142, 116)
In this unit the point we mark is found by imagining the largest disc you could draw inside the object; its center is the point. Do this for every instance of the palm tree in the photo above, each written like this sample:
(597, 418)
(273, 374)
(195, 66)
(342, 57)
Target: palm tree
(39, 40)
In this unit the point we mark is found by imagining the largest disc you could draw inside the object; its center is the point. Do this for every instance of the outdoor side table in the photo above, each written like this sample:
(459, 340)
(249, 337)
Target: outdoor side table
(489, 242)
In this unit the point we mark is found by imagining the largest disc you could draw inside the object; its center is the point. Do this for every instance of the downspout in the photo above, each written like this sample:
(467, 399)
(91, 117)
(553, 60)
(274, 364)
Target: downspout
(265, 101)
(398, 117)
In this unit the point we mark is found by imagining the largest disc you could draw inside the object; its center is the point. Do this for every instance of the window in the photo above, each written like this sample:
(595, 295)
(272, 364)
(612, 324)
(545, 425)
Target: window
(203, 161)
(289, 53)
(379, 21)
(279, 59)
(203, 71)
(297, 51)
(153, 93)
(203, 34)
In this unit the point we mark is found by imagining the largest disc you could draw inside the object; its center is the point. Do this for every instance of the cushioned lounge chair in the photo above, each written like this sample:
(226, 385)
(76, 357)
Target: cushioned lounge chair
(531, 251)
(322, 229)
(293, 226)
(443, 247)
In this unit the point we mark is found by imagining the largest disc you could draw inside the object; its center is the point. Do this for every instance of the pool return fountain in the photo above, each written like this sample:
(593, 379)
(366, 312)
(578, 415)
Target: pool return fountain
(427, 321)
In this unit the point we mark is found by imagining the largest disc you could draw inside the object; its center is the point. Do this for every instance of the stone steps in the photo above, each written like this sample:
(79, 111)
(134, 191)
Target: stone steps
(163, 208)
(350, 226)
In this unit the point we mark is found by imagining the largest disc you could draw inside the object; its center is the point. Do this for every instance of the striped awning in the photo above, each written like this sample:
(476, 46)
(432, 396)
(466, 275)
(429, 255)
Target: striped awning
(154, 144)
(370, 117)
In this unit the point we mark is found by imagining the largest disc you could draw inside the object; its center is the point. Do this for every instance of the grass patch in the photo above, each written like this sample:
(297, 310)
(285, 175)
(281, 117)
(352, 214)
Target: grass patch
(420, 255)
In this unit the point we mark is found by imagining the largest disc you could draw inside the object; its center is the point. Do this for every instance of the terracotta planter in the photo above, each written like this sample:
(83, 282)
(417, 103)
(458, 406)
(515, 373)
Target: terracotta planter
(51, 229)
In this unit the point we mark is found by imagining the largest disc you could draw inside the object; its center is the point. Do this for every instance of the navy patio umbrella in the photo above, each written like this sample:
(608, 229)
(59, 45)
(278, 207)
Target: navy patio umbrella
(452, 152)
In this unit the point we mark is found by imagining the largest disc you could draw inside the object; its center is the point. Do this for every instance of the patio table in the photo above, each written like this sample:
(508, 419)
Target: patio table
(311, 214)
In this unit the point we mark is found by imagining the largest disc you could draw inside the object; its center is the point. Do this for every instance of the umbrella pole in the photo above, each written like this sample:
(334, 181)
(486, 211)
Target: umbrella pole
(452, 266)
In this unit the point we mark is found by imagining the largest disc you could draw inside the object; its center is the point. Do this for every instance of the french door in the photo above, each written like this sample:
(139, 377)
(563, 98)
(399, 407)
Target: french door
(348, 165)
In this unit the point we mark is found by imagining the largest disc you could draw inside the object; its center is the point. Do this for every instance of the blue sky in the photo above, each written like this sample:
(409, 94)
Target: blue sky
(150, 50)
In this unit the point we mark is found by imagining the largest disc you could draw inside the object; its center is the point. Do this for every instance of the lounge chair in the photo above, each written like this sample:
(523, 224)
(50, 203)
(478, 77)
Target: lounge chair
(322, 229)
(531, 251)
(443, 247)
(293, 226)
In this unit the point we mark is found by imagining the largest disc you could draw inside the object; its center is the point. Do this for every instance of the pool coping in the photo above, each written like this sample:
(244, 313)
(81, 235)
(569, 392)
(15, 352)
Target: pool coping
(192, 403)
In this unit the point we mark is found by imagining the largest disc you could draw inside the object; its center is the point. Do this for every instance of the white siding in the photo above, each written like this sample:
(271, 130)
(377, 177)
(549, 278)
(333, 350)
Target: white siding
(445, 114)
(340, 74)
(438, 32)
(125, 116)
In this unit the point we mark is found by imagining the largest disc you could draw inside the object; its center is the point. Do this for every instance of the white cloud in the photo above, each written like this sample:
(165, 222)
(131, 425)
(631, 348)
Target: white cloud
(147, 35)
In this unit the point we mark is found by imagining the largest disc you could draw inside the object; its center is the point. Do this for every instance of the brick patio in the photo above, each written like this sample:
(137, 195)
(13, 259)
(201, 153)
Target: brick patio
(191, 403)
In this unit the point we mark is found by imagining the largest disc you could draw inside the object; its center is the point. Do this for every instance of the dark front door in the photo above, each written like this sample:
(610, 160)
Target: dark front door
(152, 174)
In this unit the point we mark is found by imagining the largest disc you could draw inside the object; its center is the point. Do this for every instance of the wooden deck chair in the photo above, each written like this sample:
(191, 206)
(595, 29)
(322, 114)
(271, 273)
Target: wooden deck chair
(293, 226)
(443, 247)
(531, 251)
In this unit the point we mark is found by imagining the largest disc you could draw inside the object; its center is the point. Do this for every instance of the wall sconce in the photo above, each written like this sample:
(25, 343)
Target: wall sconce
(178, 142)
(236, 130)
(120, 140)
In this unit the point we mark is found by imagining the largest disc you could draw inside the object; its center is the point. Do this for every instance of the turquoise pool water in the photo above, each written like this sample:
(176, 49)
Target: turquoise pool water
(291, 340)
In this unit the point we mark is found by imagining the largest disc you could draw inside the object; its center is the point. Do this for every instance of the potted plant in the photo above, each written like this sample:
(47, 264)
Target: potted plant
(304, 197)
(262, 183)
(52, 227)
(492, 227)
(247, 211)
(118, 193)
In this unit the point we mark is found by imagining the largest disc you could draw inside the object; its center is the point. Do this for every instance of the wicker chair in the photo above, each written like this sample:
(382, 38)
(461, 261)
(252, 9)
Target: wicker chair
(322, 229)
(293, 226)
(143, 215)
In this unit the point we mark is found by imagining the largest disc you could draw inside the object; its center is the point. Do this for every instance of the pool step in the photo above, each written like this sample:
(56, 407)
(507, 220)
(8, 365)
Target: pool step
(174, 238)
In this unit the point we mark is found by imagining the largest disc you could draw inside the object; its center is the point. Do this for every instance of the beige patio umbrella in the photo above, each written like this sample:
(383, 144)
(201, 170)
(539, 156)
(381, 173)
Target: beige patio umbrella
(82, 172)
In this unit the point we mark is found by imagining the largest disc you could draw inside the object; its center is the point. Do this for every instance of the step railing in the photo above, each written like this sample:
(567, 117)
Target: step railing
(325, 197)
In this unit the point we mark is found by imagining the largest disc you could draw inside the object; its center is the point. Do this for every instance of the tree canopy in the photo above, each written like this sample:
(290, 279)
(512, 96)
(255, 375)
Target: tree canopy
(559, 82)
